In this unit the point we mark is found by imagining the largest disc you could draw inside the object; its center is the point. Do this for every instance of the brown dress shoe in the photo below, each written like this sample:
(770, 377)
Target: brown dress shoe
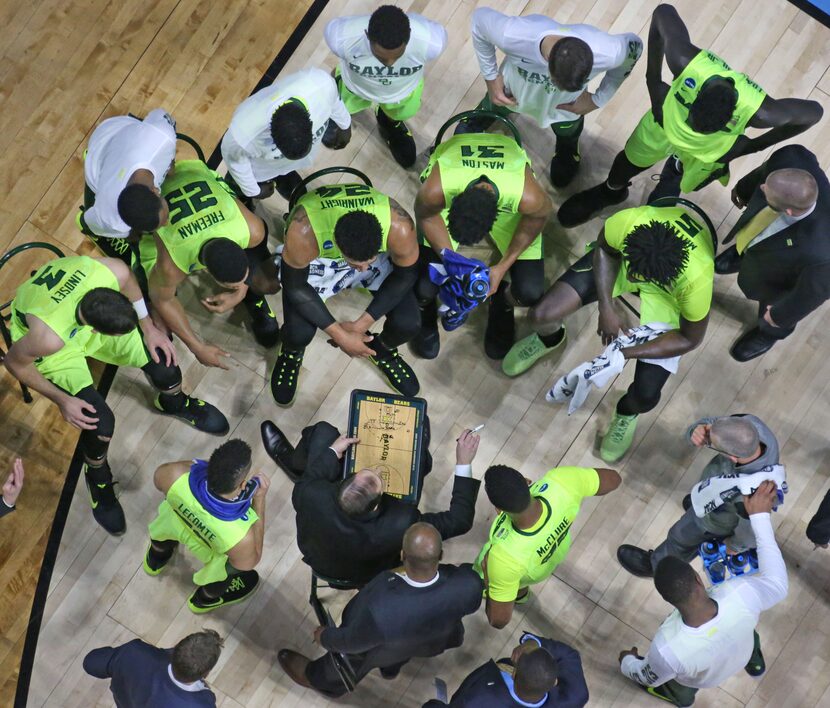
(294, 664)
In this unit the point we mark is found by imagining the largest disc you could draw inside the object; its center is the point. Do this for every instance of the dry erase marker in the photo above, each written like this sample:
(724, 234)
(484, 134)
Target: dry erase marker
(477, 428)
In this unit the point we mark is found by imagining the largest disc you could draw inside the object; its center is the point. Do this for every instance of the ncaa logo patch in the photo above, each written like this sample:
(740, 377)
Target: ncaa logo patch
(328, 244)
(543, 487)
(690, 82)
(73, 333)
(501, 533)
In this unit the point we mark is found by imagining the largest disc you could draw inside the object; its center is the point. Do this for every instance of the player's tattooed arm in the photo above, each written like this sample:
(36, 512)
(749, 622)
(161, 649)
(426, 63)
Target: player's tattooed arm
(399, 213)
(403, 240)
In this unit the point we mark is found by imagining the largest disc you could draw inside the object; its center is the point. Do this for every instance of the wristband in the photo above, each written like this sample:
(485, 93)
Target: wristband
(140, 308)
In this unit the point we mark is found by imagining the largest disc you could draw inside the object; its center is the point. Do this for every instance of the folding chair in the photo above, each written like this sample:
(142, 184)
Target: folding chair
(341, 661)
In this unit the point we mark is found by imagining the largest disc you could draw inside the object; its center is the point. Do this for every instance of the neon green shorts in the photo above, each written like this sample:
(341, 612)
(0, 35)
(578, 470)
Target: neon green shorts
(167, 527)
(648, 145)
(68, 369)
(402, 110)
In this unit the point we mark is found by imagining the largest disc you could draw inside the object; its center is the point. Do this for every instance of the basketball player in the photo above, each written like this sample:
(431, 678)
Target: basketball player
(124, 167)
(698, 122)
(476, 186)
(382, 58)
(545, 76)
(277, 131)
(78, 307)
(342, 236)
(665, 255)
(207, 229)
(217, 510)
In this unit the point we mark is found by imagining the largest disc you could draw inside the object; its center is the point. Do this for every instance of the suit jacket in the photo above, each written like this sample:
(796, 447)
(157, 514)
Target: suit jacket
(485, 687)
(818, 530)
(357, 549)
(389, 621)
(791, 269)
(139, 677)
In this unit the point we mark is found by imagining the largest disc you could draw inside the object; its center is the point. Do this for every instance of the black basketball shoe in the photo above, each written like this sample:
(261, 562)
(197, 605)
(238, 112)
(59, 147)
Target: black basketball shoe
(200, 414)
(263, 321)
(241, 588)
(398, 373)
(398, 138)
(105, 506)
(285, 374)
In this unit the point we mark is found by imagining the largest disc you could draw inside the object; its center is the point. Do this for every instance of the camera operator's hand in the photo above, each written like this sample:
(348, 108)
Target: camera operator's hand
(466, 448)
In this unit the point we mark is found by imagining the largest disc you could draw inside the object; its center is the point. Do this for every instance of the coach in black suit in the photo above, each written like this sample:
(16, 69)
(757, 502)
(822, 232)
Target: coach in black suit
(395, 617)
(540, 672)
(143, 675)
(350, 530)
(782, 245)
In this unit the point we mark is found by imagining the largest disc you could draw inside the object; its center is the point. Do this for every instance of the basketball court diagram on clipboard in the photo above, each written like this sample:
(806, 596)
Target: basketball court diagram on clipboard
(390, 430)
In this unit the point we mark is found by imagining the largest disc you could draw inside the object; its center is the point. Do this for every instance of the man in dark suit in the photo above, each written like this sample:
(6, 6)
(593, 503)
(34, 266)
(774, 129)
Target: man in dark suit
(394, 618)
(782, 245)
(349, 529)
(143, 675)
(540, 672)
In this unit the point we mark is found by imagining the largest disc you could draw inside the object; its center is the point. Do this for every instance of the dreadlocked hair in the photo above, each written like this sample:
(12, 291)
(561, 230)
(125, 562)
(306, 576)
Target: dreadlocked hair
(656, 253)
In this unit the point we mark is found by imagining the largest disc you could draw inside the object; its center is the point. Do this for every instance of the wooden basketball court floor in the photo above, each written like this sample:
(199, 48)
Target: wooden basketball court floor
(66, 66)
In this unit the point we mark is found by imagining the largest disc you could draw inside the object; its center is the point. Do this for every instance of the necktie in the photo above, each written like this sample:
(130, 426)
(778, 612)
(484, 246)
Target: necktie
(754, 227)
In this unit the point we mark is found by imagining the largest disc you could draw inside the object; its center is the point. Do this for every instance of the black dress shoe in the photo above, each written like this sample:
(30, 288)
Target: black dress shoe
(278, 448)
(635, 560)
(728, 262)
(751, 344)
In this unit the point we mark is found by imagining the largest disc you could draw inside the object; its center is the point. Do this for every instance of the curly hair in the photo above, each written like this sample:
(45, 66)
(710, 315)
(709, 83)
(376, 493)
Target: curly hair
(713, 107)
(656, 253)
(389, 27)
(472, 214)
(358, 235)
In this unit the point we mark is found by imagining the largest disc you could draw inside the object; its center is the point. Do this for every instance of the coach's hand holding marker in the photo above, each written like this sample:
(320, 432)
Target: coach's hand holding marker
(342, 444)
(465, 452)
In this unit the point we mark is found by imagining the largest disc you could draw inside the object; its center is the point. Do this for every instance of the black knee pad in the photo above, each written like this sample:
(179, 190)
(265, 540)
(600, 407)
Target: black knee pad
(163, 377)
(105, 427)
(525, 293)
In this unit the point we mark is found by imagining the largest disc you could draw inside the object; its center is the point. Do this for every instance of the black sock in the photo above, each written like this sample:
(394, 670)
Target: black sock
(380, 349)
(99, 474)
(164, 555)
(551, 340)
(172, 402)
(613, 189)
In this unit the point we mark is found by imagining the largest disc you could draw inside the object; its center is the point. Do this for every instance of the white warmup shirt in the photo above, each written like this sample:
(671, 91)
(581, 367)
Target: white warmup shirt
(118, 148)
(363, 73)
(248, 149)
(525, 70)
(705, 656)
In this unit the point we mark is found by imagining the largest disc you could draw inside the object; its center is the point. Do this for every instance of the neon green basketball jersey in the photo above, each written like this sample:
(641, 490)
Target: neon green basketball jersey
(202, 207)
(464, 159)
(690, 295)
(517, 558)
(682, 93)
(326, 204)
(182, 518)
(54, 292)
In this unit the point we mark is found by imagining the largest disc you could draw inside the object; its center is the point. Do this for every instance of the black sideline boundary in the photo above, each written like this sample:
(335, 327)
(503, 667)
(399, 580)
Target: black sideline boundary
(27, 658)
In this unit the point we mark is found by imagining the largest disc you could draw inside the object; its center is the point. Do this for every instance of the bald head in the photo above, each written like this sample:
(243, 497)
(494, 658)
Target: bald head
(421, 549)
(791, 189)
(735, 436)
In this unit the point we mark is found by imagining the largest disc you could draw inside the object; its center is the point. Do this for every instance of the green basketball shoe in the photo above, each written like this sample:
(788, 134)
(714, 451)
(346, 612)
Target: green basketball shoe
(526, 352)
(619, 437)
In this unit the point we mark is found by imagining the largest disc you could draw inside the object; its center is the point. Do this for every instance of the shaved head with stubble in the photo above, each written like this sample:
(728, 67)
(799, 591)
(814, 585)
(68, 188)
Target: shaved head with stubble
(422, 550)
(791, 190)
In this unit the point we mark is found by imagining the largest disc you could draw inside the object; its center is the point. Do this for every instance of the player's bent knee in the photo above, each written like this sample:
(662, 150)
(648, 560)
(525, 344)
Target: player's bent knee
(163, 377)
(527, 294)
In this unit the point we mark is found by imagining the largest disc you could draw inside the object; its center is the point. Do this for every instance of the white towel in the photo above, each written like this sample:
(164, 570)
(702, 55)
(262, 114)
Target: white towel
(711, 493)
(575, 386)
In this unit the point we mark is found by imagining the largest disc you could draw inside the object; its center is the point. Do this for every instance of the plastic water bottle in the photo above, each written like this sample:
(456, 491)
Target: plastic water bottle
(713, 563)
(753, 558)
(738, 563)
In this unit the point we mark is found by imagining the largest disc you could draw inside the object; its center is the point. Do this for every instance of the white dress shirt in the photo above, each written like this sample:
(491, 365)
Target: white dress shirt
(525, 70)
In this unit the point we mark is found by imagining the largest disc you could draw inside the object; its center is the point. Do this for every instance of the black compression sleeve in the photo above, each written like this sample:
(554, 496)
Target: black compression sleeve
(391, 292)
(298, 293)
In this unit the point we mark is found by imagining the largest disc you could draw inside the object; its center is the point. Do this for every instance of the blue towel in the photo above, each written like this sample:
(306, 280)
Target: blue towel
(463, 284)
(224, 509)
